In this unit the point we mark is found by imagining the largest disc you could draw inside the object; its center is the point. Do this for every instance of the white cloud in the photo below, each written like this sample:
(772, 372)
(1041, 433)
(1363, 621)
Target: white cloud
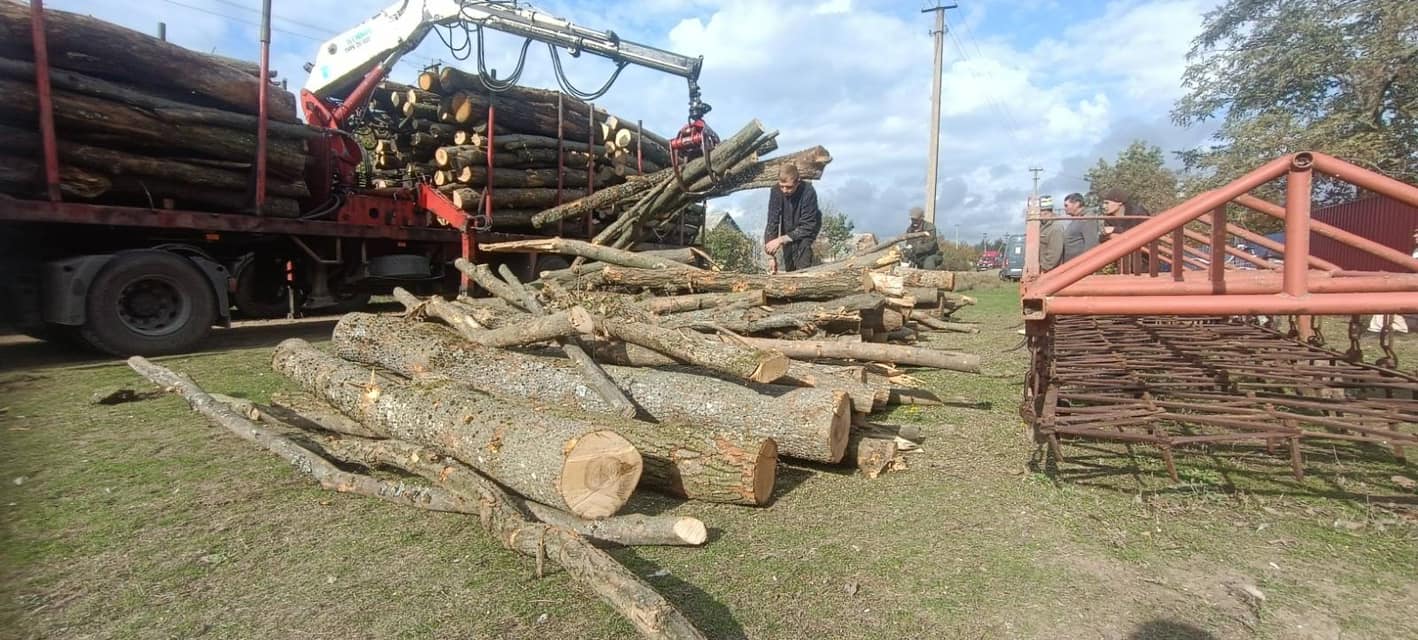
(854, 77)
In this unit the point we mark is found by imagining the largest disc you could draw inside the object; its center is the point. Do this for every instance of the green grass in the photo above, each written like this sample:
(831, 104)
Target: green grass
(142, 521)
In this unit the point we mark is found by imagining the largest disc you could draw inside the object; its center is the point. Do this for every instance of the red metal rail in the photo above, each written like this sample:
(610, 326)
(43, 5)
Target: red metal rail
(1304, 286)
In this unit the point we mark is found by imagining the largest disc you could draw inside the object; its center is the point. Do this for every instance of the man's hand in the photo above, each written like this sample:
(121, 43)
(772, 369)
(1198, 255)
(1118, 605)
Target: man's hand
(771, 247)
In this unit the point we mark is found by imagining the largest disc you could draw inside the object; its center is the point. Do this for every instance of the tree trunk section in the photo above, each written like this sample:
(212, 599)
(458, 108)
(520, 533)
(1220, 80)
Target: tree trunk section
(702, 301)
(896, 354)
(809, 424)
(791, 287)
(746, 363)
(555, 458)
(87, 44)
(872, 456)
(78, 112)
(626, 530)
(110, 162)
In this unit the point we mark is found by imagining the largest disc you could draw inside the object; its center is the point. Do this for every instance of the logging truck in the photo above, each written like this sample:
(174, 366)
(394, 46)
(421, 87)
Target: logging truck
(138, 212)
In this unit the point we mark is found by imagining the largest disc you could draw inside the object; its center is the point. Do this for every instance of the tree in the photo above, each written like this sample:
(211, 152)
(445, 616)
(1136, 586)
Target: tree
(1338, 76)
(1139, 171)
(958, 256)
(836, 235)
(732, 249)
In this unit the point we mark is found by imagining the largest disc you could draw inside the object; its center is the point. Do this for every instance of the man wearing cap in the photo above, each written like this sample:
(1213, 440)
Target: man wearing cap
(1051, 236)
(923, 253)
(793, 220)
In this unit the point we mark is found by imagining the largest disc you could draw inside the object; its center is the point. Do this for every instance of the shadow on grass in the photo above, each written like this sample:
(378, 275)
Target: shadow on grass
(708, 615)
(1169, 630)
(1252, 471)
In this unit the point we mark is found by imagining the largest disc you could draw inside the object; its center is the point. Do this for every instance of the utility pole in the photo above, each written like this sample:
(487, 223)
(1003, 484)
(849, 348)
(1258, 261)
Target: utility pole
(1035, 171)
(931, 164)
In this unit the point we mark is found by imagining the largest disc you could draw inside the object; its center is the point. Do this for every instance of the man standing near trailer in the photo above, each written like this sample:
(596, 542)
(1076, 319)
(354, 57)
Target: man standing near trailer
(1051, 236)
(793, 220)
(1079, 235)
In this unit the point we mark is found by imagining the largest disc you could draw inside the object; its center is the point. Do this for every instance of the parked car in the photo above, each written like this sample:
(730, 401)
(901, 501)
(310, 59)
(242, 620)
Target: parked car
(988, 260)
(1013, 267)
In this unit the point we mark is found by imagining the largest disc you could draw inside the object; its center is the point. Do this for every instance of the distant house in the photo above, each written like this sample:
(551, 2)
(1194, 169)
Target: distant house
(717, 219)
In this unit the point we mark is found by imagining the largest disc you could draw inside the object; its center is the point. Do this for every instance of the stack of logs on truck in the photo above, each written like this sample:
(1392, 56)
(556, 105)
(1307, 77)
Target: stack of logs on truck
(542, 408)
(156, 236)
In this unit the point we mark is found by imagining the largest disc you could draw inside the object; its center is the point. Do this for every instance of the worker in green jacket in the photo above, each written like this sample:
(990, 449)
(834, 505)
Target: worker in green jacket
(1051, 236)
(922, 253)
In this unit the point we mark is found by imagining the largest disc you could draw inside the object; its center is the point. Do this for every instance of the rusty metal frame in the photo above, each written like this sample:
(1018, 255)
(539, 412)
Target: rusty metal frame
(1134, 357)
(1303, 285)
(1172, 382)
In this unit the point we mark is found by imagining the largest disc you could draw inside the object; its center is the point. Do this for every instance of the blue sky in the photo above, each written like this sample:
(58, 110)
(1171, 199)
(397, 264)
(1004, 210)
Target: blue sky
(1047, 83)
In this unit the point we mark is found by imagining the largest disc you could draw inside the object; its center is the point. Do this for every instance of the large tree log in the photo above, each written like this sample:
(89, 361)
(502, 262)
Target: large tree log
(806, 423)
(701, 301)
(594, 376)
(695, 463)
(24, 175)
(917, 356)
(944, 280)
(304, 460)
(164, 109)
(627, 530)
(837, 284)
(573, 180)
(746, 363)
(112, 162)
(151, 192)
(467, 156)
(285, 157)
(586, 250)
(87, 44)
(864, 398)
(557, 459)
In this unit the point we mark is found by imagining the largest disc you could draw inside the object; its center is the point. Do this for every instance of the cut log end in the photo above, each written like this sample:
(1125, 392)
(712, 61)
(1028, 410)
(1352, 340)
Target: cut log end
(770, 368)
(600, 471)
(765, 472)
(692, 531)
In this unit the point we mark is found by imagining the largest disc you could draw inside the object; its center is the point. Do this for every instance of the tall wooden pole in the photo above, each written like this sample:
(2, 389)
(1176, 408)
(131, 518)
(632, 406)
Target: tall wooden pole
(933, 159)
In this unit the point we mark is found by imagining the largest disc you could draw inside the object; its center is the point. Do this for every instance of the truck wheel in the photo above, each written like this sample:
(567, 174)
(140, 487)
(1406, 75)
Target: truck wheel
(148, 303)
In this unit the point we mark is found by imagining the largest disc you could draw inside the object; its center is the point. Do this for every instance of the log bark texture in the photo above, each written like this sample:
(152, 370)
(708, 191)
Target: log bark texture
(917, 356)
(557, 459)
(746, 363)
(626, 530)
(87, 44)
(836, 284)
(809, 424)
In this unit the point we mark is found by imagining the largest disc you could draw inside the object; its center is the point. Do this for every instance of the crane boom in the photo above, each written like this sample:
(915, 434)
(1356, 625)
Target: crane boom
(378, 43)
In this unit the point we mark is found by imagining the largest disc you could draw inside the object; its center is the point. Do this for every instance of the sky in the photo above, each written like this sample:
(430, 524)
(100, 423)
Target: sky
(1053, 84)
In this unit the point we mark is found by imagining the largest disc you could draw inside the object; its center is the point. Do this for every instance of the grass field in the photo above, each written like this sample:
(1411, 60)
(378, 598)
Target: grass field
(142, 521)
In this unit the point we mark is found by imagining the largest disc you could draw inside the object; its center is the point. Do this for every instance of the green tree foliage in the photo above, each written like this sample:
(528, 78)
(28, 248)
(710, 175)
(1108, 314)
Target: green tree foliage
(837, 232)
(958, 256)
(732, 249)
(1139, 171)
(1338, 76)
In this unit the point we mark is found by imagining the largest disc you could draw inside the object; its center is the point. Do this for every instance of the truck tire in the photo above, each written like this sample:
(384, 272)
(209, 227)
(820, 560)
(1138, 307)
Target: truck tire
(148, 303)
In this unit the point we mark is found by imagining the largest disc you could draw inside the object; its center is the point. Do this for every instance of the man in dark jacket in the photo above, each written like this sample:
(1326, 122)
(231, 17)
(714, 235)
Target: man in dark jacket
(1079, 235)
(922, 253)
(793, 220)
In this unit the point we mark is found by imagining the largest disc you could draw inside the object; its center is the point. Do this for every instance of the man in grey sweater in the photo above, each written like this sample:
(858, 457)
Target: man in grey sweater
(1079, 235)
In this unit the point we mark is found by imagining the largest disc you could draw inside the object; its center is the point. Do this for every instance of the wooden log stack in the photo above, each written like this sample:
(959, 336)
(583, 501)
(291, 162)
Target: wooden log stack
(143, 122)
